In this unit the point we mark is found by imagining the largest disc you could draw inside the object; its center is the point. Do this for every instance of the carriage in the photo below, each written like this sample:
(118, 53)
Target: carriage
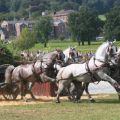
(9, 92)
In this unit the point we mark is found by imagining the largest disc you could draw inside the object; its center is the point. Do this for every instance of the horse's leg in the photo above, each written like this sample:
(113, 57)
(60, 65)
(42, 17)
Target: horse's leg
(79, 89)
(71, 92)
(60, 89)
(76, 91)
(114, 83)
(21, 90)
(23, 87)
(87, 92)
(117, 92)
(30, 85)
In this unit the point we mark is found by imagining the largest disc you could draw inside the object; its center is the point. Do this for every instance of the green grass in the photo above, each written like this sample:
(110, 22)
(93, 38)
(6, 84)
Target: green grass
(63, 45)
(52, 45)
(107, 108)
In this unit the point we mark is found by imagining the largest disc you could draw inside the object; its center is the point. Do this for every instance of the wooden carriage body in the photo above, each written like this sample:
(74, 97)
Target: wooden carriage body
(44, 89)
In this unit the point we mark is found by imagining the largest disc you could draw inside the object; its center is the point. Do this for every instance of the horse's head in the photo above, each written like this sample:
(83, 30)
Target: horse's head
(111, 52)
(106, 52)
(24, 55)
(73, 54)
(60, 55)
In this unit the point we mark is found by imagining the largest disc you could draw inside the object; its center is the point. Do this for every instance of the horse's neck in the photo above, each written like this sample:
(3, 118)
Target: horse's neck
(75, 53)
(94, 64)
(101, 52)
(67, 52)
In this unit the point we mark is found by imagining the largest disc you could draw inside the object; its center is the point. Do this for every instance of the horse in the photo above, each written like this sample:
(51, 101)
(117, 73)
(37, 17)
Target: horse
(104, 56)
(27, 55)
(113, 71)
(23, 75)
(39, 54)
(71, 55)
(26, 75)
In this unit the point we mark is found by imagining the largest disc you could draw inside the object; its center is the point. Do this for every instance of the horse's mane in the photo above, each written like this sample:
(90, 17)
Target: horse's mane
(100, 52)
(67, 50)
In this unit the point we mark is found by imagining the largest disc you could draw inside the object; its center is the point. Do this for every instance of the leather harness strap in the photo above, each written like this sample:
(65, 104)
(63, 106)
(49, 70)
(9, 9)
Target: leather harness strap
(93, 79)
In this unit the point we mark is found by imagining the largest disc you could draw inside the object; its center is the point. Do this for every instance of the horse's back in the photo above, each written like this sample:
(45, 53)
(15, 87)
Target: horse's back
(23, 71)
(72, 70)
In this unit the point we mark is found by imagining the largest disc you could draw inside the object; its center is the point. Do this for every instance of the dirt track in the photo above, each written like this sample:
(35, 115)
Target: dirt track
(40, 99)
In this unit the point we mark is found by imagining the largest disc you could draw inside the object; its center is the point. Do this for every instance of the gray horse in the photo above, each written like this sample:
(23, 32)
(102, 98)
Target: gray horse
(26, 75)
(83, 72)
(23, 75)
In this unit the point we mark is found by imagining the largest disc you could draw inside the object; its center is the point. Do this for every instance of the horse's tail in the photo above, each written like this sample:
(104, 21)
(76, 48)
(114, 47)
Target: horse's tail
(8, 73)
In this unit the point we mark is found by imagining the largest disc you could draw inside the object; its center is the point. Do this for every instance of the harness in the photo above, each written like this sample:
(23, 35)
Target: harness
(37, 74)
(93, 75)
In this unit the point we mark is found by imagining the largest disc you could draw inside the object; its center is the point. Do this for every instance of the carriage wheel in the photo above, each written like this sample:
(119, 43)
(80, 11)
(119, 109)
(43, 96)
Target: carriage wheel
(10, 92)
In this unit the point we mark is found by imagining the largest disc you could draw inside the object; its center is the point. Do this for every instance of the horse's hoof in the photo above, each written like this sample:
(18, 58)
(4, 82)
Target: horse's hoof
(57, 101)
(92, 101)
(24, 100)
(76, 101)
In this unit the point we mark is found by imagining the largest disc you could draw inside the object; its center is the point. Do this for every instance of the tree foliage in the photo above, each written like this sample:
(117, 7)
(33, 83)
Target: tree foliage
(43, 29)
(6, 58)
(112, 26)
(35, 7)
(85, 25)
(26, 40)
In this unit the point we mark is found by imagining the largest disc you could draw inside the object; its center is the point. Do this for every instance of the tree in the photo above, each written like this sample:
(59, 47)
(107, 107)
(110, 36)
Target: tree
(70, 5)
(15, 5)
(97, 5)
(72, 24)
(6, 58)
(85, 25)
(112, 25)
(43, 29)
(3, 6)
(26, 40)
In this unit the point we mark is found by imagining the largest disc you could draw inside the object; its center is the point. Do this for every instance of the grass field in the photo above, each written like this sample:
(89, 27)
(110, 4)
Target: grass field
(52, 45)
(105, 108)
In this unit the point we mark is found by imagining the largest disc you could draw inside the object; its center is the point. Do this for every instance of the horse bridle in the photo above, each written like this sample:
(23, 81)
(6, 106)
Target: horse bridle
(72, 54)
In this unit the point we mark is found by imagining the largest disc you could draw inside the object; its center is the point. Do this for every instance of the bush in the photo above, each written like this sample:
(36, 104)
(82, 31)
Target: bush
(6, 58)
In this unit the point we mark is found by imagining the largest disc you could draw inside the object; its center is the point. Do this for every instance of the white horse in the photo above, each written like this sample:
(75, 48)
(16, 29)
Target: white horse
(71, 55)
(104, 55)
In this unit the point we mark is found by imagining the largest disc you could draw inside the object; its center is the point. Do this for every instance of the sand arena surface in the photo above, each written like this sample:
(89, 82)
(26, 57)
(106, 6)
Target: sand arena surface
(41, 100)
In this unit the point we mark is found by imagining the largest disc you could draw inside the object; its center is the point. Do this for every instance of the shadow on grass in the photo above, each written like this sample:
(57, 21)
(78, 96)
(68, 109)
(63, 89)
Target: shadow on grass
(103, 101)
(108, 101)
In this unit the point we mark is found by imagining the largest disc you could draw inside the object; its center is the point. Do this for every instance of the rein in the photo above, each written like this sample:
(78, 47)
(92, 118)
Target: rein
(93, 78)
